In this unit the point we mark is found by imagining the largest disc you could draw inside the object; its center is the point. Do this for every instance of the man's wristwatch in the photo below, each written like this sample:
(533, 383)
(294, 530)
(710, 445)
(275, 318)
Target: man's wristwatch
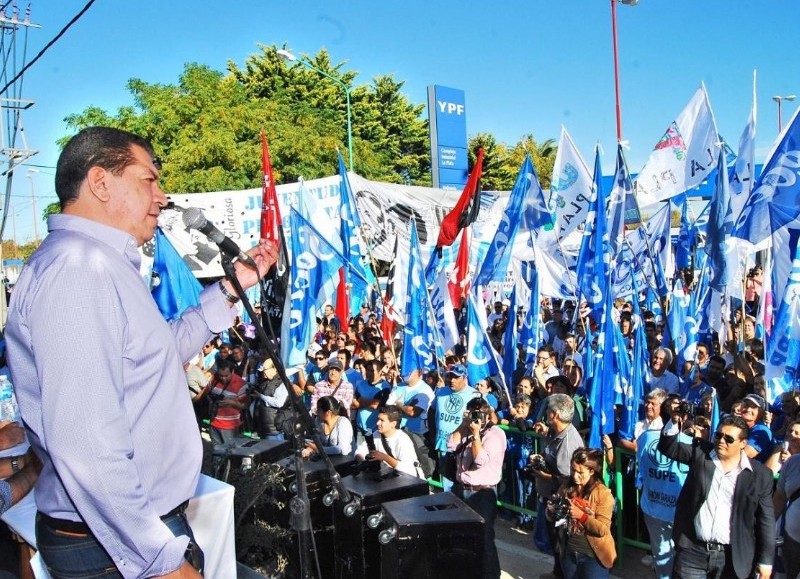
(15, 464)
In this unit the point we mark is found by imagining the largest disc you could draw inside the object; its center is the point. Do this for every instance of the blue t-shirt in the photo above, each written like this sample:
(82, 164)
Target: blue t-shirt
(367, 418)
(450, 407)
(761, 440)
(660, 478)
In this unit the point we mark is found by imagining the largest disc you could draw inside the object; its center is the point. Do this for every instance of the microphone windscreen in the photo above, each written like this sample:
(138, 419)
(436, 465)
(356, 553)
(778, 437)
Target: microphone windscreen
(193, 218)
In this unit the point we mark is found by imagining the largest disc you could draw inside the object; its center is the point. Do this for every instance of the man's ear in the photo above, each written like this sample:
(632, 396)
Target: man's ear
(97, 180)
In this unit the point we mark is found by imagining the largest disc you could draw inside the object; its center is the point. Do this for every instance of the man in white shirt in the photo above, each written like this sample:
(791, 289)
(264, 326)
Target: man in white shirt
(393, 447)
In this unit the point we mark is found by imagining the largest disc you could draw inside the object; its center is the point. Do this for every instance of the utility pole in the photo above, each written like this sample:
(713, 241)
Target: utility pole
(14, 148)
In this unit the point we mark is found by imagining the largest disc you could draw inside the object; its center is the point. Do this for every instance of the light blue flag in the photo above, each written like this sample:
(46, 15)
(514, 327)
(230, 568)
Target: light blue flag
(510, 354)
(695, 323)
(639, 366)
(620, 192)
(351, 248)
(686, 237)
(602, 385)
(174, 286)
(495, 264)
(530, 333)
(314, 275)
(653, 303)
(419, 342)
(594, 262)
(536, 215)
(482, 359)
(676, 317)
(720, 223)
(776, 187)
(783, 348)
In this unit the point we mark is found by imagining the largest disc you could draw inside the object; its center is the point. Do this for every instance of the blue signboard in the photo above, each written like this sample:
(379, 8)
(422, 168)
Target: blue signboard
(448, 131)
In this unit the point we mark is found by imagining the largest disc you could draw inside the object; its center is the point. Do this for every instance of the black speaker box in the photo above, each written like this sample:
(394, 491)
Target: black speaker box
(431, 537)
(246, 453)
(357, 552)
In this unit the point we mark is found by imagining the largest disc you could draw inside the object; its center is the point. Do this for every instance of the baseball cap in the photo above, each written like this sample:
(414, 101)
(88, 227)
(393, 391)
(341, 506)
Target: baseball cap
(757, 400)
(457, 371)
(335, 364)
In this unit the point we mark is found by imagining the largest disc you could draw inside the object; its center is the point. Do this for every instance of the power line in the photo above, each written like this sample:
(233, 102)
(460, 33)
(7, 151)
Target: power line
(48, 45)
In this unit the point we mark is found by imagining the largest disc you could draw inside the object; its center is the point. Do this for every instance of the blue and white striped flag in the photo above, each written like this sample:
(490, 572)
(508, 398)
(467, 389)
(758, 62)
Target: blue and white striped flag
(783, 348)
(482, 359)
(351, 247)
(495, 264)
(314, 273)
(419, 342)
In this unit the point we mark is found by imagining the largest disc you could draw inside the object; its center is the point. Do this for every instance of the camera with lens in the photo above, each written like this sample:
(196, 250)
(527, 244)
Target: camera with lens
(475, 416)
(536, 464)
(561, 507)
(686, 408)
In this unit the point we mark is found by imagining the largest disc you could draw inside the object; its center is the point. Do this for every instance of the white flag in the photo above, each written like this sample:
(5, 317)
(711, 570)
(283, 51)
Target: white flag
(741, 181)
(683, 156)
(570, 188)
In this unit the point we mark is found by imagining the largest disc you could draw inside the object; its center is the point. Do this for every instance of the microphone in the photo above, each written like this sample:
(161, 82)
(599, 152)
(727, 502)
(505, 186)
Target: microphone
(193, 218)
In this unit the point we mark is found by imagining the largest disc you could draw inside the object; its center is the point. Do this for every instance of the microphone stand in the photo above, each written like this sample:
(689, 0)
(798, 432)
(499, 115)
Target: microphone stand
(301, 424)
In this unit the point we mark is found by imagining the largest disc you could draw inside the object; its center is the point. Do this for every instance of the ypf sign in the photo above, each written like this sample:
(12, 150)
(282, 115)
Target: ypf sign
(448, 128)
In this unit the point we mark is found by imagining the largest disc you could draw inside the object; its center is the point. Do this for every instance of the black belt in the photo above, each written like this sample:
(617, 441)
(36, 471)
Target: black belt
(711, 546)
(476, 488)
(67, 526)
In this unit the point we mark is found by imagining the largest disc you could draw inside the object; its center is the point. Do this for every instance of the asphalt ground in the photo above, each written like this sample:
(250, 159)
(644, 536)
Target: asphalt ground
(519, 558)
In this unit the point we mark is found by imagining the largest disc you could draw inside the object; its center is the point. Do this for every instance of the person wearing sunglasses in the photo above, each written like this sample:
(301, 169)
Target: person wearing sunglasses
(724, 518)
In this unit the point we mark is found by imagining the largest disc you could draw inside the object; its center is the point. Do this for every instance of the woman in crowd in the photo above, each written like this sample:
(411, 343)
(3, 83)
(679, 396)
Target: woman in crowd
(585, 541)
(790, 447)
(335, 430)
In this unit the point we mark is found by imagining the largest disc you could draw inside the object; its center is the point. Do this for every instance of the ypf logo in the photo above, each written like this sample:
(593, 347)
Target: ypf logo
(454, 405)
(450, 108)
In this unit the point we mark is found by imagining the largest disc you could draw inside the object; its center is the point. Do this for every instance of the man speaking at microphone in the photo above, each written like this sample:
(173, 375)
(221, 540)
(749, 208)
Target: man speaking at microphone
(117, 436)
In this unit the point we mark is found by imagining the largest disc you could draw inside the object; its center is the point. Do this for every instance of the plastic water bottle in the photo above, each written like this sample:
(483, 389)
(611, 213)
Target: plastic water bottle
(9, 411)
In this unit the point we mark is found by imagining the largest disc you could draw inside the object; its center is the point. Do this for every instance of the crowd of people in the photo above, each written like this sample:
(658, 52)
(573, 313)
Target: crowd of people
(353, 385)
(707, 448)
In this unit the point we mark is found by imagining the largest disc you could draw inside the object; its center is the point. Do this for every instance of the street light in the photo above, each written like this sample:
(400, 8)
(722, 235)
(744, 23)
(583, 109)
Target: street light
(288, 56)
(33, 202)
(616, 59)
(779, 99)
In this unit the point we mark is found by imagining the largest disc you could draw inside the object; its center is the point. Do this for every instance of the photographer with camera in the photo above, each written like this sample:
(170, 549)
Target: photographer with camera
(270, 400)
(581, 513)
(552, 468)
(480, 446)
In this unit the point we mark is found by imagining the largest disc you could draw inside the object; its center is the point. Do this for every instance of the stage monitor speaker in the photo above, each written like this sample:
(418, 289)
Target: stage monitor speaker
(318, 484)
(431, 537)
(357, 548)
(246, 453)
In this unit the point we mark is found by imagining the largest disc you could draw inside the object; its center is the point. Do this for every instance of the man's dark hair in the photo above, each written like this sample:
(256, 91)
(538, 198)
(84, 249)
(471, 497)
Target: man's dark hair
(346, 353)
(560, 380)
(392, 413)
(111, 149)
(738, 422)
(225, 364)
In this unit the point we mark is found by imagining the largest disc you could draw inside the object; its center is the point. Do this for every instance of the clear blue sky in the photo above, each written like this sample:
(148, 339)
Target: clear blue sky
(525, 66)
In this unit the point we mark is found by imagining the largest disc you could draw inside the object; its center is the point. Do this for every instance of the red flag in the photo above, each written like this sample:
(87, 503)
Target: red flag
(343, 301)
(270, 211)
(459, 282)
(277, 279)
(452, 222)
